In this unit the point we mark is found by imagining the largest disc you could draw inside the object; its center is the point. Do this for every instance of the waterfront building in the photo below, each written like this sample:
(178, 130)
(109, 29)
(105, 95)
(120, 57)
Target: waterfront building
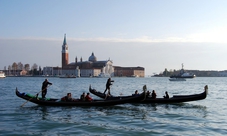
(129, 71)
(90, 68)
(79, 68)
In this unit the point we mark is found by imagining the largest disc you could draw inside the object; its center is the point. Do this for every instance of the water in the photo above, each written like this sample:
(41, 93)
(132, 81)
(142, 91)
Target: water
(205, 117)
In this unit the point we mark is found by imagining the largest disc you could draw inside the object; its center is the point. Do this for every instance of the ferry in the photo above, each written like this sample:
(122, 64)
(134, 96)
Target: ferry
(2, 74)
(183, 74)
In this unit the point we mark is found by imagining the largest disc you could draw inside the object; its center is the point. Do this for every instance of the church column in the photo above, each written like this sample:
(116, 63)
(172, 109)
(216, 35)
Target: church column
(65, 53)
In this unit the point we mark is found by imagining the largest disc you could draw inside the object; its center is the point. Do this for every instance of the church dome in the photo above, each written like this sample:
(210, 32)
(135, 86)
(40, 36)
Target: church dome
(92, 58)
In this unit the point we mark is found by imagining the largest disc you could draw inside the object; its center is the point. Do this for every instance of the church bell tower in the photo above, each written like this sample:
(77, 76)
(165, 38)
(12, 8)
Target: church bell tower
(65, 53)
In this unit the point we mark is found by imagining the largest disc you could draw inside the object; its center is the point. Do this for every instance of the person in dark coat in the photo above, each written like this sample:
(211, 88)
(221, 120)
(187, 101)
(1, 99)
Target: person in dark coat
(82, 97)
(166, 96)
(108, 84)
(153, 95)
(44, 88)
(68, 98)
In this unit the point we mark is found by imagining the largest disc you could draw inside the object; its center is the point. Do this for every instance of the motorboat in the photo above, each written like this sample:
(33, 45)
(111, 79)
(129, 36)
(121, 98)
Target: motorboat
(177, 79)
(2, 74)
(183, 74)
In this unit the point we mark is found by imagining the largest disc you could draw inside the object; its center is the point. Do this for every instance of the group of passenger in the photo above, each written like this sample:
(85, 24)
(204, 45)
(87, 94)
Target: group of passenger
(153, 95)
(87, 97)
(83, 97)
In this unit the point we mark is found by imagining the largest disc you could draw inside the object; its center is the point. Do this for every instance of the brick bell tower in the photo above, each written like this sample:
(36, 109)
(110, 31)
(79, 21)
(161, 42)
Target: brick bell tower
(65, 53)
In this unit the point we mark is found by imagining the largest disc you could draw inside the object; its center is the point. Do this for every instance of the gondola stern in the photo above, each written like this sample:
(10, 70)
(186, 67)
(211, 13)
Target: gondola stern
(16, 91)
(89, 87)
(206, 90)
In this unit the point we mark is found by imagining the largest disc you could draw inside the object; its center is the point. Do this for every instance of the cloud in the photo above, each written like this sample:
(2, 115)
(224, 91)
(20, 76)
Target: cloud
(215, 35)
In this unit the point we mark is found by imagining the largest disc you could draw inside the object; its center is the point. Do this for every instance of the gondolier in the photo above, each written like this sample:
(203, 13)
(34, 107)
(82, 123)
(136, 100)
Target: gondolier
(44, 88)
(108, 84)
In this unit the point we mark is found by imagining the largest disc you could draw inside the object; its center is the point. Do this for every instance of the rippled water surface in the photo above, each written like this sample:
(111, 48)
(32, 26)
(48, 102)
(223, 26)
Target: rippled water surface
(205, 117)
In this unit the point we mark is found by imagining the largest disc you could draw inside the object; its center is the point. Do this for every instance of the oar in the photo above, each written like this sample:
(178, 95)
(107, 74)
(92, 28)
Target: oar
(36, 96)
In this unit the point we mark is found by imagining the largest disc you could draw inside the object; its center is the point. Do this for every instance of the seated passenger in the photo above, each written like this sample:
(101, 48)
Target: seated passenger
(166, 96)
(136, 93)
(153, 95)
(88, 97)
(82, 97)
(68, 97)
(148, 93)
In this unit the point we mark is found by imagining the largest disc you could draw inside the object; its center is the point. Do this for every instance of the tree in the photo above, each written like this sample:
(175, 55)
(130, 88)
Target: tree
(165, 73)
(35, 69)
(9, 70)
(14, 66)
(27, 67)
(40, 70)
(19, 66)
(34, 66)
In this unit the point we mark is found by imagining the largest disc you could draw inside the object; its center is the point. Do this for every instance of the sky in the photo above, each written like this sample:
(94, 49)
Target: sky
(154, 34)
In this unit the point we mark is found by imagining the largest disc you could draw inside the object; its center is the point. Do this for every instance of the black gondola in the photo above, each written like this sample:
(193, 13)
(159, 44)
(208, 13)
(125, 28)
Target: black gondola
(77, 102)
(148, 99)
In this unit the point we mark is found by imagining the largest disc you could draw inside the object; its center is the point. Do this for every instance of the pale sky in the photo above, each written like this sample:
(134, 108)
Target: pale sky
(154, 34)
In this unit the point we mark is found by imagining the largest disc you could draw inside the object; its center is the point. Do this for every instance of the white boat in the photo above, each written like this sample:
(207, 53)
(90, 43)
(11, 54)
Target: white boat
(135, 75)
(105, 75)
(2, 74)
(177, 79)
(183, 74)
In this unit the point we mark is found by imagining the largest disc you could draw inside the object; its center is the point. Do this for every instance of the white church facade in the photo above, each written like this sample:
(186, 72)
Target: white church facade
(90, 68)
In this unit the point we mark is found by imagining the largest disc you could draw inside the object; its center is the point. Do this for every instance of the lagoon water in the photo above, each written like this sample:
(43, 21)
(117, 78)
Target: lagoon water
(205, 117)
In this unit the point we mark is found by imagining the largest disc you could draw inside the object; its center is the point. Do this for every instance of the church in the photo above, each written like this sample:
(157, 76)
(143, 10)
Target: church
(91, 67)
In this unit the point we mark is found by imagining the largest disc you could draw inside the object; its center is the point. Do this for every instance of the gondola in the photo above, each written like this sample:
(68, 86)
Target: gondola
(148, 99)
(77, 102)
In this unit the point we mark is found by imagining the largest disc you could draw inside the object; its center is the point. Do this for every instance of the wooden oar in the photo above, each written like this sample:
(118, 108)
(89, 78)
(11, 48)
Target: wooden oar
(36, 96)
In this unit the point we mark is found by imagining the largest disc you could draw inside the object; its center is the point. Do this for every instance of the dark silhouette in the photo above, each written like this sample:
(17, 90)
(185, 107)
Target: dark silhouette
(108, 84)
(167, 95)
(136, 93)
(82, 97)
(44, 88)
(153, 95)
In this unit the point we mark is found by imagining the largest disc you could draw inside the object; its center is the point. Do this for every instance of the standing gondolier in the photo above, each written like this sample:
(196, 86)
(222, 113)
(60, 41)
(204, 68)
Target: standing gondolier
(108, 84)
(44, 88)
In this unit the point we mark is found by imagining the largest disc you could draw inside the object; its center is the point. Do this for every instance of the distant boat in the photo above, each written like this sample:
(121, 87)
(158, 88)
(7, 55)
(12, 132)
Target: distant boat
(104, 75)
(157, 75)
(135, 76)
(183, 74)
(2, 74)
(177, 79)
(67, 76)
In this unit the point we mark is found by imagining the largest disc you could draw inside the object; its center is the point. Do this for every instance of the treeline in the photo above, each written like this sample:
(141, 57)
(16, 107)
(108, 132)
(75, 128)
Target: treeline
(16, 68)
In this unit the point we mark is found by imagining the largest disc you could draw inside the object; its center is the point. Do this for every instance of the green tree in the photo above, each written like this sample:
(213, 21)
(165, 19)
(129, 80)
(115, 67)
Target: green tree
(14, 66)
